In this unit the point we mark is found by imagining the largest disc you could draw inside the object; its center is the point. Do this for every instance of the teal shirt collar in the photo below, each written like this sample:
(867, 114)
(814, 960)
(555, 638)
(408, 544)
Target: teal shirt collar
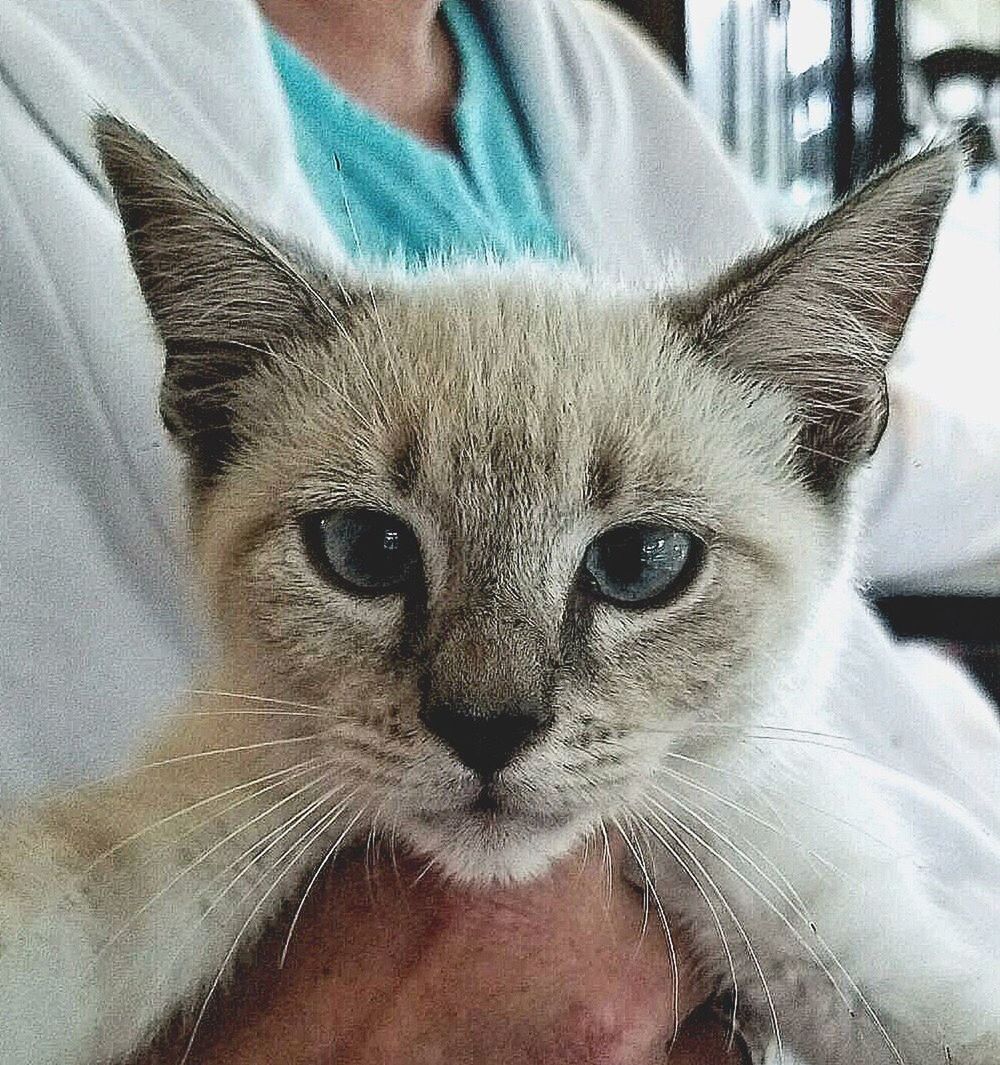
(390, 196)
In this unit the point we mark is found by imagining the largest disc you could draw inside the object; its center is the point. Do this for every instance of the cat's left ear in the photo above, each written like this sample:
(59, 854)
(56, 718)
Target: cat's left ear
(224, 295)
(819, 315)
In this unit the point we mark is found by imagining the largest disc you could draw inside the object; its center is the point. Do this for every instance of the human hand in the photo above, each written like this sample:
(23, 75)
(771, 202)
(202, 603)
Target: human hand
(385, 971)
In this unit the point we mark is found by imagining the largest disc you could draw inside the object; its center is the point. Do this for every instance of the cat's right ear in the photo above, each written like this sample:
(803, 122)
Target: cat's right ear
(221, 294)
(817, 316)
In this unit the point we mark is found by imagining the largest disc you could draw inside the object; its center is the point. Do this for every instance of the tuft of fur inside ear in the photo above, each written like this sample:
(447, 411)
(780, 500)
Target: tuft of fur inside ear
(222, 294)
(820, 314)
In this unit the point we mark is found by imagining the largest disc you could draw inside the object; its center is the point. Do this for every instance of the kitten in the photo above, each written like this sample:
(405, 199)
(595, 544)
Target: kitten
(501, 557)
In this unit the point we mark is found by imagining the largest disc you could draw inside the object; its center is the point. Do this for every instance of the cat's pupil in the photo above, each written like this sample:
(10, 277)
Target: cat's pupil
(366, 550)
(638, 565)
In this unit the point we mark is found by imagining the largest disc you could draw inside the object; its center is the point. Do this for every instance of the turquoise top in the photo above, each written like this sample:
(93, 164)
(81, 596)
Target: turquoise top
(388, 195)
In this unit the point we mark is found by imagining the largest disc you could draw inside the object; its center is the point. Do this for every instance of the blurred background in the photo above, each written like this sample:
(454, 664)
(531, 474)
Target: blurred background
(810, 97)
(813, 95)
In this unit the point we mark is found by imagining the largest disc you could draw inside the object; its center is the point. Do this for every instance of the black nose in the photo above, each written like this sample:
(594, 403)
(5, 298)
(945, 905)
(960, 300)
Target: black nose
(487, 740)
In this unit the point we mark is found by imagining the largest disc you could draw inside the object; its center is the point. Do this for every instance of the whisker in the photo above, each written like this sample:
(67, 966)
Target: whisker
(780, 832)
(711, 821)
(744, 935)
(270, 840)
(273, 838)
(609, 871)
(313, 763)
(393, 842)
(808, 741)
(806, 738)
(756, 731)
(280, 832)
(668, 935)
(717, 920)
(787, 891)
(130, 923)
(423, 872)
(647, 885)
(330, 854)
(111, 851)
(241, 748)
(785, 797)
(757, 892)
(824, 968)
(588, 841)
(295, 705)
(232, 950)
(249, 713)
(371, 845)
(372, 854)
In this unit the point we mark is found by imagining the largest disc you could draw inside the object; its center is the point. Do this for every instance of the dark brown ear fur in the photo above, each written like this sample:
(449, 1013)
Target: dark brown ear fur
(819, 315)
(222, 294)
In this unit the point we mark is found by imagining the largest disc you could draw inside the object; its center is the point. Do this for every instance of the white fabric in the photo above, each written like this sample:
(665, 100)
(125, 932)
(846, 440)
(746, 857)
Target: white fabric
(936, 512)
(98, 631)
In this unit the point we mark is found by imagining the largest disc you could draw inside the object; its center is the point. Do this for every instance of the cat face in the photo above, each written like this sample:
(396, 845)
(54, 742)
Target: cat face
(521, 532)
(528, 441)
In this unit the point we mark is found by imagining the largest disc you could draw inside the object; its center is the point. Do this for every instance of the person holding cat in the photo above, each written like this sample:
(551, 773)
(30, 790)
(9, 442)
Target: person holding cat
(382, 130)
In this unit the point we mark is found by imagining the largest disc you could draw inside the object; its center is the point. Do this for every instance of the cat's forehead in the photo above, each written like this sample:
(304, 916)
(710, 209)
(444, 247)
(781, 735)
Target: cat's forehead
(511, 382)
(540, 363)
(506, 397)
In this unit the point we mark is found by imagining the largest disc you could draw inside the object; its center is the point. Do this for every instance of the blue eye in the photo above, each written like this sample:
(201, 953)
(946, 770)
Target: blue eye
(367, 551)
(639, 565)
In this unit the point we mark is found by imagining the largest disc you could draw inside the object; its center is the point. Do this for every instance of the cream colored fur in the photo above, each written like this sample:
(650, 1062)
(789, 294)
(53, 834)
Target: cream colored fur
(500, 390)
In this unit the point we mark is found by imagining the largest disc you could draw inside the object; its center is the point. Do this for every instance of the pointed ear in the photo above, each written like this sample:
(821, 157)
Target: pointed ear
(222, 295)
(819, 315)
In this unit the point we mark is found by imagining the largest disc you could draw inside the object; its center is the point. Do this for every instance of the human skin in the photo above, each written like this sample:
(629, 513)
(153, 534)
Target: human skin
(393, 56)
(388, 967)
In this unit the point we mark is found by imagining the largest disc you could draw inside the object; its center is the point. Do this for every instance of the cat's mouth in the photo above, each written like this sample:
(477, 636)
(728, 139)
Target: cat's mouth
(494, 845)
(495, 815)
(494, 807)
(503, 829)
(493, 804)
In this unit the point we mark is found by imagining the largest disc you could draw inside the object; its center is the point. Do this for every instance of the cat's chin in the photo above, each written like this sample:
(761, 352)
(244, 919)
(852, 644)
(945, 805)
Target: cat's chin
(484, 849)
